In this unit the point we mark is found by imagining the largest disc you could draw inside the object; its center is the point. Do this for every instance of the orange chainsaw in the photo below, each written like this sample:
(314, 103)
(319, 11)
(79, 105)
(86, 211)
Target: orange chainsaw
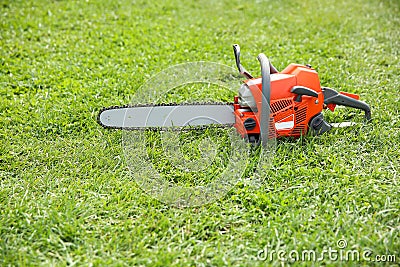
(285, 103)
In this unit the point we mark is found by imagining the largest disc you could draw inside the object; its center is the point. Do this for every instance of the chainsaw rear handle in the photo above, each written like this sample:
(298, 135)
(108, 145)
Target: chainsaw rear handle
(333, 97)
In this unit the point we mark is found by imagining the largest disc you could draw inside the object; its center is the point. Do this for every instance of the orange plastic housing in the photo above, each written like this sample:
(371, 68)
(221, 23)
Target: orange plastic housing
(291, 118)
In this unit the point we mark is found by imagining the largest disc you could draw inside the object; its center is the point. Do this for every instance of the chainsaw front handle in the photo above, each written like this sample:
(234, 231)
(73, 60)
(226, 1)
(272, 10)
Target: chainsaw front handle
(266, 98)
(333, 97)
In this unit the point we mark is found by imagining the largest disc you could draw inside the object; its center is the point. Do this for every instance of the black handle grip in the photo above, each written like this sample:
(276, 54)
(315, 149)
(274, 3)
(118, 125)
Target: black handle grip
(301, 90)
(333, 97)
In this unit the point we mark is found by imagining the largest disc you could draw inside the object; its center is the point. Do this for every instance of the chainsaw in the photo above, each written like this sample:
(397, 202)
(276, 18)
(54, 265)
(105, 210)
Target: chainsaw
(277, 104)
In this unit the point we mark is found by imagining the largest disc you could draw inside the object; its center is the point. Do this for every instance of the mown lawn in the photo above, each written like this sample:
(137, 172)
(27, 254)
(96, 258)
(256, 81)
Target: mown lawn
(66, 194)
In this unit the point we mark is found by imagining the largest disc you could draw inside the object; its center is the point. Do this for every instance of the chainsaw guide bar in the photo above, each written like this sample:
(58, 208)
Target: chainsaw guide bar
(124, 113)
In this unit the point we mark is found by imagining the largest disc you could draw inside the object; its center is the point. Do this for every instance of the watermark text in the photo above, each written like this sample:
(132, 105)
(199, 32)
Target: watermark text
(340, 252)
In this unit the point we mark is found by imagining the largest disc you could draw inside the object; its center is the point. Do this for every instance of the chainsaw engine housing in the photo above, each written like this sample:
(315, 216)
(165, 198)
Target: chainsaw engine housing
(296, 97)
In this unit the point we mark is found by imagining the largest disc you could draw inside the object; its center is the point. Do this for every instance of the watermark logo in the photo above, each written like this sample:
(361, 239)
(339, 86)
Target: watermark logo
(340, 252)
(190, 168)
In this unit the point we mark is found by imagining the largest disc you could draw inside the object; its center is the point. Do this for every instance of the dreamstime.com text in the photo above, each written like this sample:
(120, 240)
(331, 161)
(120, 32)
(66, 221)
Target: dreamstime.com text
(338, 253)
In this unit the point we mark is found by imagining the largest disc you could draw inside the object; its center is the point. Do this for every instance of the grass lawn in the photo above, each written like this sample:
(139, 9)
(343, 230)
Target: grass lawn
(66, 193)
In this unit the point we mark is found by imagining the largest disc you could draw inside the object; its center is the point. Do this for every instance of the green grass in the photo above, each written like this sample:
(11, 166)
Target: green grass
(66, 194)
